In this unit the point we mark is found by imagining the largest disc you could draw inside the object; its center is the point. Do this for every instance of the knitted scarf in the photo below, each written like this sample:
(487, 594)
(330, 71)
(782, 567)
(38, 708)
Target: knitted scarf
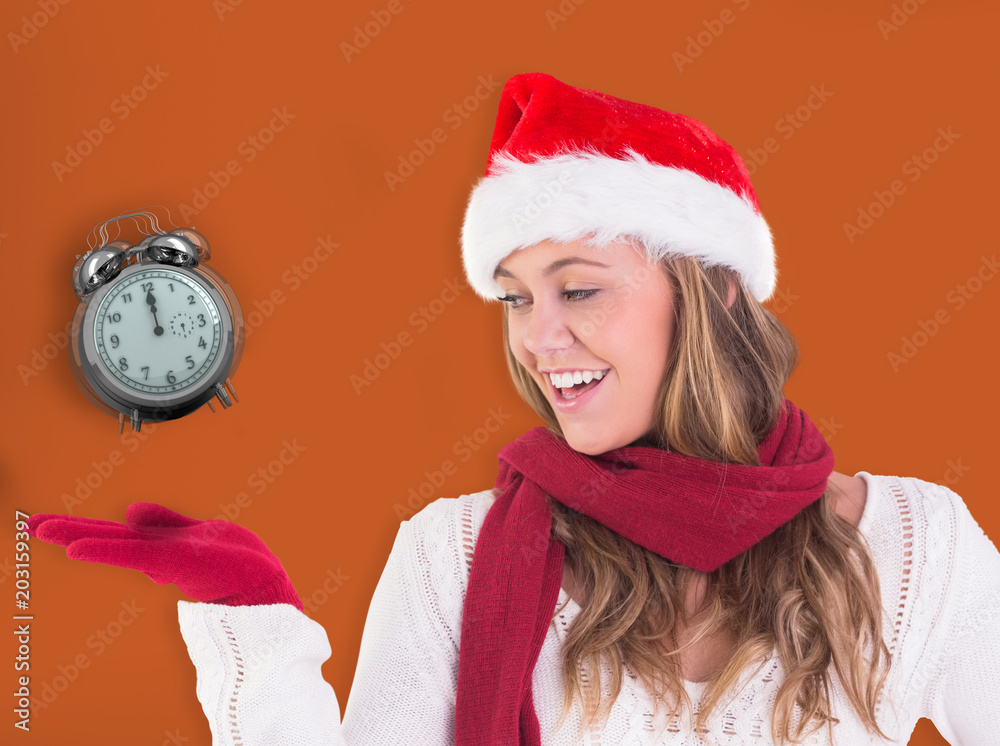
(692, 511)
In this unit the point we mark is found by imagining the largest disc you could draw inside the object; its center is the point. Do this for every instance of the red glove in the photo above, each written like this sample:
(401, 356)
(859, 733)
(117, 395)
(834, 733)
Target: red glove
(211, 561)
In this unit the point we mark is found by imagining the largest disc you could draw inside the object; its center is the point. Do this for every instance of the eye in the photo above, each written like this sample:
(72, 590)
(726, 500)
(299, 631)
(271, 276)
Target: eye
(517, 302)
(513, 302)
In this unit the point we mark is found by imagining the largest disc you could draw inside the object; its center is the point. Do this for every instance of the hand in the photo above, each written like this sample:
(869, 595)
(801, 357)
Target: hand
(211, 561)
(151, 301)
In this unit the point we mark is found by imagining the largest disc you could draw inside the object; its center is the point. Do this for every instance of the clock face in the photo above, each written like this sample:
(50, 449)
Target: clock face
(158, 331)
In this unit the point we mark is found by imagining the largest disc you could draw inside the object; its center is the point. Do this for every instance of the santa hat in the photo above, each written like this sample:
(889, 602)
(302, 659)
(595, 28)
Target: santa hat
(567, 163)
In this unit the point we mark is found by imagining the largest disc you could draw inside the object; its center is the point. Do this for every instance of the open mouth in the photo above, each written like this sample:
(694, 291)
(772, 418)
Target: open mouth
(569, 386)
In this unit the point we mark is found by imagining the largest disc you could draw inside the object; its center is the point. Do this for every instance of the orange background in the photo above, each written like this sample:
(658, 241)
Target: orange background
(337, 506)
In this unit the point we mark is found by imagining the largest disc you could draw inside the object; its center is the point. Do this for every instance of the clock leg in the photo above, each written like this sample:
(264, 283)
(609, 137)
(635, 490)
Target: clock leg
(220, 391)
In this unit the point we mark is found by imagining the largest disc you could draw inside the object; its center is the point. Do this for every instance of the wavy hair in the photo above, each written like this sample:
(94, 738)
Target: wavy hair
(808, 592)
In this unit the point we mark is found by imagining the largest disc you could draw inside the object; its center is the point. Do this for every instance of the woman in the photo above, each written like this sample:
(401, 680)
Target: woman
(672, 560)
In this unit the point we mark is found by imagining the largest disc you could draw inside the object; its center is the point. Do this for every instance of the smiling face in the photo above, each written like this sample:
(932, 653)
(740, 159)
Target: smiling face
(593, 328)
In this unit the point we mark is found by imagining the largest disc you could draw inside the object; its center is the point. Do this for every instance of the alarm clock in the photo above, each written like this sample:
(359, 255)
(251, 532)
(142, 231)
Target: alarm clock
(157, 333)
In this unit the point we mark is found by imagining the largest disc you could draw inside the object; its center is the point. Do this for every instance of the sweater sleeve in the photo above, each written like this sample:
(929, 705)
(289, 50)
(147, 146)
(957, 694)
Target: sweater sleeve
(259, 678)
(963, 692)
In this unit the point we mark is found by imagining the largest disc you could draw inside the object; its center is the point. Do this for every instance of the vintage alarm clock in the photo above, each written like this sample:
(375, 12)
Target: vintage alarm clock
(158, 333)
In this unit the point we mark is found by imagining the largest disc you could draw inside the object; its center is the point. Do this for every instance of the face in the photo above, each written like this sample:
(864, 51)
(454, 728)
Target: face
(593, 327)
(158, 331)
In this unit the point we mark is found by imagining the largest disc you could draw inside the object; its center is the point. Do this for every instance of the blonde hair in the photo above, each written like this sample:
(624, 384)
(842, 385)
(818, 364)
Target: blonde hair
(808, 592)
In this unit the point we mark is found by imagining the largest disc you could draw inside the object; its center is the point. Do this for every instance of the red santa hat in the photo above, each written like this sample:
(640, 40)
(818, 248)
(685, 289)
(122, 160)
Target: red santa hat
(567, 163)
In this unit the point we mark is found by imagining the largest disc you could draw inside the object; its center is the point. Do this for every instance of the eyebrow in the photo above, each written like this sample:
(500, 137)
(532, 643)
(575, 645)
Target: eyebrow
(556, 265)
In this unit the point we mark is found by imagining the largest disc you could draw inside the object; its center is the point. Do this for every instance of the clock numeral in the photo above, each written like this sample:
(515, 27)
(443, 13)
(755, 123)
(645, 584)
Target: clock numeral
(171, 378)
(147, 286)
(114, 341)
(115, 317)
(190, 300)
(122, 364)
(189, 361)
(201, 343)
(126, 297)
(171, 286)
(145, 370)
(201, 319)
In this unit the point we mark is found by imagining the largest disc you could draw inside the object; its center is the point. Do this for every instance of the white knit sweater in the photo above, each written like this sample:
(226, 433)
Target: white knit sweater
(259, 677)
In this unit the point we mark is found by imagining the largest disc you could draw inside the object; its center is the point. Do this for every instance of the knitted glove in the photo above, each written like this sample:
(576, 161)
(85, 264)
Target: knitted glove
(211, 561)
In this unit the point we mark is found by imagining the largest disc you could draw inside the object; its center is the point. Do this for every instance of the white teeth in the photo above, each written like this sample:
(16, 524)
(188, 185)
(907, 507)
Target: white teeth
(568, 380)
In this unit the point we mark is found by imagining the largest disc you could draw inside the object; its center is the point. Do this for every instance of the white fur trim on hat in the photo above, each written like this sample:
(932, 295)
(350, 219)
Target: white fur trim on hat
(568, 197)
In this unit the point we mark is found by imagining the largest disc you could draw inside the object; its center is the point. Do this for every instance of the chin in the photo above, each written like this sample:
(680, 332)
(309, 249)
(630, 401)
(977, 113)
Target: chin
(592, 440)
(587, 444)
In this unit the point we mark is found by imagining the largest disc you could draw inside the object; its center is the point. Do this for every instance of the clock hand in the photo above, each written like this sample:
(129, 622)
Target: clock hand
(157, 330)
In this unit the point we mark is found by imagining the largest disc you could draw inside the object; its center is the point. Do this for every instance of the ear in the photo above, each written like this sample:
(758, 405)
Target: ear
(732, 292)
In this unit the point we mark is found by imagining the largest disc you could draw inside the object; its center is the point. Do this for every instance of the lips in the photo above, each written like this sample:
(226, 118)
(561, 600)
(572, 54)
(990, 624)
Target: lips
(578, 395)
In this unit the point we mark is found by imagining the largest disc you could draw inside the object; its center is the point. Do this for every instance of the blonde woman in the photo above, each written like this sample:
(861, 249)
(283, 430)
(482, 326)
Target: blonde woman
(672, 560)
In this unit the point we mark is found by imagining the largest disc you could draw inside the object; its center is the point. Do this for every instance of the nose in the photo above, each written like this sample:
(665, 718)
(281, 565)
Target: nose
(547, 330)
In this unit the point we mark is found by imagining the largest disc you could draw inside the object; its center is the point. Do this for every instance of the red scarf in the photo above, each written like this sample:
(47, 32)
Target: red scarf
(692, 511)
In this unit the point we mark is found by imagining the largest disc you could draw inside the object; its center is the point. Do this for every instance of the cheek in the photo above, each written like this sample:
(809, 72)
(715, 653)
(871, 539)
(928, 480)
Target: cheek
(644, 340)
(515, 340)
